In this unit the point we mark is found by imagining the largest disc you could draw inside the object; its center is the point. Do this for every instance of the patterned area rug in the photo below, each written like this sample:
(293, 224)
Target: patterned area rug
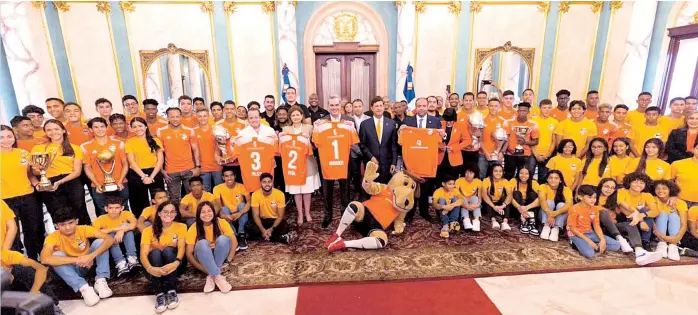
(419, 253)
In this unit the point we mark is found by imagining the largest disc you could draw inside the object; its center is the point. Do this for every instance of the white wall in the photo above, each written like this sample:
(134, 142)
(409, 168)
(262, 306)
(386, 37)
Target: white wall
(435, 42)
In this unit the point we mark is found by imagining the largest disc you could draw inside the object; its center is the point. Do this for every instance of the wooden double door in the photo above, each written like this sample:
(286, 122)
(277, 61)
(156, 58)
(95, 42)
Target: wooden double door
(347, 75)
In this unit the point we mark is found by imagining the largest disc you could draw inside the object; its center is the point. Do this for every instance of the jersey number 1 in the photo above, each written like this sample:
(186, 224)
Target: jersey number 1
(335, 146)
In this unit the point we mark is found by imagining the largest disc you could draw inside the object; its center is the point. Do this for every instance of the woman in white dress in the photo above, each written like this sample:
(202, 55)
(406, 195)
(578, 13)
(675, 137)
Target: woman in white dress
(302, 193)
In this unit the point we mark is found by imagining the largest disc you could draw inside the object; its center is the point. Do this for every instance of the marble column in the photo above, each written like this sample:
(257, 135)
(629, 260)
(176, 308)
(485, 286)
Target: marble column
(406, 18)
(153, 81)
(174, 71)
(21, 54)
(195, 79)
(288, 46)
(632, 70)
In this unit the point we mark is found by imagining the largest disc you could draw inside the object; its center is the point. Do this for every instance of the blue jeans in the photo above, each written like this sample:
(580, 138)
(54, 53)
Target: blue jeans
(473, 200)
(241, 221)
(73, 275)
(451, 216)
(129, 242)
(101, 199)
(668, 223)
(586, 250)
(216, 176)
(212, 258)
(560, 219)
(646, 235)
(159, 258)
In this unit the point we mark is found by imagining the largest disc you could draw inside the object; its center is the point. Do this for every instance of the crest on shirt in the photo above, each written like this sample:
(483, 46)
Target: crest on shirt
(573, 166)
(605, 131)
(658, 135)
(254, 144)
(94, 151)
(174, 236)
(551, 127)
(419, 143)
(23, 158)
(583, 131)
(521, 131)
(429, 132)
(85, 132)
(660, 170)
(640, 205)
(183, 136)
(112, 148)
(334, 132)
(273, 203)
(81, 243)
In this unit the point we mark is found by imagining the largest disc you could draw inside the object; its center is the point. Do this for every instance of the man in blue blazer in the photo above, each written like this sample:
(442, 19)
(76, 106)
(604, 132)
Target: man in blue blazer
(378, 140)
(423, 120)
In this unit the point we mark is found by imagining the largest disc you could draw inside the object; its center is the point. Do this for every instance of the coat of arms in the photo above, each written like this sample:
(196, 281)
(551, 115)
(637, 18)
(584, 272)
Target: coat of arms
(345, 27)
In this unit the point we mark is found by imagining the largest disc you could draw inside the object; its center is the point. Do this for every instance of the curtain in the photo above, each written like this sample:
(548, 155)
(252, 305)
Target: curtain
(331, 79)
(360, 76)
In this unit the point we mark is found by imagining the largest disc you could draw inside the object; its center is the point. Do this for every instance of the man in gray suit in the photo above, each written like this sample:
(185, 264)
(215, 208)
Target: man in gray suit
(378, 141)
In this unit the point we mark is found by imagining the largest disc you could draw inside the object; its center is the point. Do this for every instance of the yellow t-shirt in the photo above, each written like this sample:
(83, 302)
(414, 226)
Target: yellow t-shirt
(618, 165)
(223, 225)
(231, 197)
(592, 176)
(656, 169)
(268, 205)
(534, 186)
(569, 167)
(671, 122)
(693, 214)
(685, 174)
(635, 201)
(546, 128)
(468, 189)
(549, 194)
(61, 165)
(446, 195)
(141, 152)
(73, 246)
(9, 258)
(169, 237)
(641, 133)
(149, 213)
(105, 221)
(14, 181)
(499, 188)
(635, 118)
(681, 207)
(578, 131)
(7, 214)
(192, 202)
(534, 112)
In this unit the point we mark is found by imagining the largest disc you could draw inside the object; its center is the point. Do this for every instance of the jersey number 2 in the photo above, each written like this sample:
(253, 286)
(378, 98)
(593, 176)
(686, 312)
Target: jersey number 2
(292, 163)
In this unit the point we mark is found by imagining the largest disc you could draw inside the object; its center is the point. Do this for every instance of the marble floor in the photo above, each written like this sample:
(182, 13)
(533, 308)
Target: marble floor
(656, 290)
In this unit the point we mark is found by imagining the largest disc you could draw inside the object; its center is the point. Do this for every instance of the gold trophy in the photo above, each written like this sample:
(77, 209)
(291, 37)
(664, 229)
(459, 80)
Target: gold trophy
(499, 135)
(106, 157)
(41, 161)
(222, 136)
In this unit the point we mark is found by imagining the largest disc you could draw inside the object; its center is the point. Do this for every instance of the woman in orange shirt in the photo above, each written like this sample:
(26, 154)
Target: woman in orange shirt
(17, 191)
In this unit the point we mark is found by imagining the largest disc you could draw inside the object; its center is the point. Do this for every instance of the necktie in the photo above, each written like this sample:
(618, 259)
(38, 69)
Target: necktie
(378, 130)
(421, 123)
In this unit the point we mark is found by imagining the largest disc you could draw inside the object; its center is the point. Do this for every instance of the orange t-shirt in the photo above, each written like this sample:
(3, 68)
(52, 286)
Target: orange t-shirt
(27, 145)
(381, 207)
(591, 115)
(256, 156)
(529, 131)
(78, 134)
(507, 114)
(153, 128)
(606, 130)
(177, 146)
(491, 124)
(690, 141)
(130, 117)
(560, 115)
(294, 152)
(92, 148)
(233, 128)
(334, 140)
(420, 150)
(190, 121)
(582, 218)
(622, 131)
(207, 149)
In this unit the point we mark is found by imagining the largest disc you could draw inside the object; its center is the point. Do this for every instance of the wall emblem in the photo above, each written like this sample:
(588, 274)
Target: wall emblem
(346, 27)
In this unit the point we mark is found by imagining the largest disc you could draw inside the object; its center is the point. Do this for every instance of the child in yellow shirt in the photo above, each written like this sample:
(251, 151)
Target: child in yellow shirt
(119, 224)
(671, 221)
(496, 195)
(637, 205)
(149, 214)
(447, 201)
(470, 188)
(525, 200)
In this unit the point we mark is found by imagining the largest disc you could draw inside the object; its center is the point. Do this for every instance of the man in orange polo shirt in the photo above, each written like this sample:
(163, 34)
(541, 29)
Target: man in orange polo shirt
(620, 114)
(187, 108)
(104, 109)
(154, 121)
(605, 128)
(593, 100)
(182, 158)
(118, 123)
(91, 150)
(78, 133)
(131, 108)
(210, 168)
(25, 133)
(561, 112)
(507, 112)
(54, 107)
(36, 114)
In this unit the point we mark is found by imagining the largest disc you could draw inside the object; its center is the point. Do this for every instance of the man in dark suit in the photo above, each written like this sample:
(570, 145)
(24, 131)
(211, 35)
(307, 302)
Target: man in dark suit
(423, 120)
(378, 141)
(328, 185)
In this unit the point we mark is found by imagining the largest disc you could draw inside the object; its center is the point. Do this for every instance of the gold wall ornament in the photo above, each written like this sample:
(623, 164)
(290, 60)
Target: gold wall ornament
(544, 7)
(399, 3)
(148, 57)
(564, 7)
(475, 7)
(103, 7)
(695, 18)
(229, 6)
(61, 6)
(615, 5)
(127, 6)
(268, 6)
(345, 27)
(420, 6)
(39, 4)
(294, 3)
(597, 6)
(207, 6)
(455, 7)
(481, 54)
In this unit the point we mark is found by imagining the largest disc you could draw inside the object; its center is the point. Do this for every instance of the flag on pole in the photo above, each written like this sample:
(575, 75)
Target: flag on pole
(287, 82)
(408, 90)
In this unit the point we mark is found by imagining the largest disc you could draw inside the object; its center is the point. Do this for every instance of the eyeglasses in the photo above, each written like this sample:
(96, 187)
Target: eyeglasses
(169, 212)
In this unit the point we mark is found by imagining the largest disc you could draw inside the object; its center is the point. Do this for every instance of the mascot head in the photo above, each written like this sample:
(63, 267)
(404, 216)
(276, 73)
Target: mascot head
(402, 187)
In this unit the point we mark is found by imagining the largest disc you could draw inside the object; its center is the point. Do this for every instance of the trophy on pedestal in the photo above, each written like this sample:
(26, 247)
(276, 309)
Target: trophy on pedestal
(520, 134)
(41, 161)
(221, 134)
(500, 135)
(106, 157)
(477, 122)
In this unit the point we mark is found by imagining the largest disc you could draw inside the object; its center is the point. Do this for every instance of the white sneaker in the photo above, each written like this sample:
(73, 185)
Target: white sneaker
(210, 285)
(121, 268)
(643, 257)
(673, 252)
(505, 226)
(662, 248)
(545, 233)
(89, 295)
(495, 224)
(102, 288)
(476, 225)
(554, 234)
(624, 245)
(467, 225)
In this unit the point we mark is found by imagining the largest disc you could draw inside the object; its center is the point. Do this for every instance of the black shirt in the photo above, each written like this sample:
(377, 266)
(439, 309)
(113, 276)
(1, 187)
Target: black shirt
(271, 120)
(306, 113)
(315, 115)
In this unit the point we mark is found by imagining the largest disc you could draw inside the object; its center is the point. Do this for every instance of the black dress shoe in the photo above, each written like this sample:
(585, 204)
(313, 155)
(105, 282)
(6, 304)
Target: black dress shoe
(326, 221)
(426, 217)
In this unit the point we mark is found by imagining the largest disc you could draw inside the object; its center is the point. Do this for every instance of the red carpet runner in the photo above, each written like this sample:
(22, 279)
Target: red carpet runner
(444, 297)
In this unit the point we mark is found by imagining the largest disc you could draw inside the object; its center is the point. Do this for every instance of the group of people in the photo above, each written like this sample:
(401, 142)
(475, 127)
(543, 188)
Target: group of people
(195, 183)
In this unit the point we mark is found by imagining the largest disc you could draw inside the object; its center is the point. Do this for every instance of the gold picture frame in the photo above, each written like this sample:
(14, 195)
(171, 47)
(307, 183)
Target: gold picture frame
(481, 54)
(147, 57)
